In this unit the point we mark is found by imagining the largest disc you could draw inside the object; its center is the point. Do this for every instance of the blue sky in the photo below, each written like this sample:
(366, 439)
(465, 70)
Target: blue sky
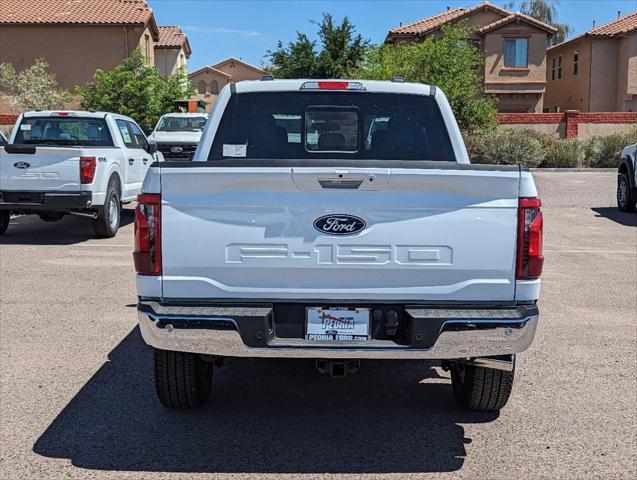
(247, 29)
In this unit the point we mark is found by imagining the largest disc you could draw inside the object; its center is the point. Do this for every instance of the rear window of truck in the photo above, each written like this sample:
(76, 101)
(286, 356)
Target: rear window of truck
(332, 125)
(65, 131)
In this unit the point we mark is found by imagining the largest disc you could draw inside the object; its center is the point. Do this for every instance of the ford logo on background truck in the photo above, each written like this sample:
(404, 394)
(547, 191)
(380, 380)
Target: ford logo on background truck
(22, 165)
(339, 224)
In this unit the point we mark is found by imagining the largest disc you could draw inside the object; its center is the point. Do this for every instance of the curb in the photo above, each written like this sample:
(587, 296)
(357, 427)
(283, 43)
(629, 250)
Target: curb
(566, 170)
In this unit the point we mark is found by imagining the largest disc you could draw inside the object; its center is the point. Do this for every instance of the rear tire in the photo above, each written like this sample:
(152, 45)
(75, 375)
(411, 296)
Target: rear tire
(626, 198)
(4, 221)
(109, 215)
(182, 380)
(480, 388)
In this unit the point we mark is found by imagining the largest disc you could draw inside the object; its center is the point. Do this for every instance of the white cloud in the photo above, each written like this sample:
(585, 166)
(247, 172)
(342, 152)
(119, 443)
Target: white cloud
(222, 31)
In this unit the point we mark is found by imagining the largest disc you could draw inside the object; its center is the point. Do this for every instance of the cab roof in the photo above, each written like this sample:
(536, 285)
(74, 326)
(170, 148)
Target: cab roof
(375, 86)
(72, 113)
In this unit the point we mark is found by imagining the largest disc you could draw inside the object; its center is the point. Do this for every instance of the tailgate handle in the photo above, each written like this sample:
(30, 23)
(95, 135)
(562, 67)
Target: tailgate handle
(341, 183)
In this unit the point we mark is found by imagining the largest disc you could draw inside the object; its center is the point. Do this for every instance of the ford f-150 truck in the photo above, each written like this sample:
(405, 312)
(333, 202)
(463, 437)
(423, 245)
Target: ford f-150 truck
(177, 134)
(339, 221)
(73, 162)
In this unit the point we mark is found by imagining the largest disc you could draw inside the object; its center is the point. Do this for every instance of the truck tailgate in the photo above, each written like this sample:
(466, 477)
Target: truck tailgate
(435, 235)
(47, 169)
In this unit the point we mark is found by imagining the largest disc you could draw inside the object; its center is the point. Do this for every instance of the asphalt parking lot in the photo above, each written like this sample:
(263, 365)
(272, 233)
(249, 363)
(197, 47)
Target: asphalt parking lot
(77, 399)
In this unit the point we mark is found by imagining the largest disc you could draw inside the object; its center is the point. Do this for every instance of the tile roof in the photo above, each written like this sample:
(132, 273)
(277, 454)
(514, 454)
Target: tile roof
(236, 60)
(518, 16)
(429, 24)
(208, 68)
(76, 11)
(172, 36)
(624, 24)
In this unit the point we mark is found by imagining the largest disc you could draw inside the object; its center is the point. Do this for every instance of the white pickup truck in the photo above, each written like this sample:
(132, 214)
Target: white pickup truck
(177, 134)
(627, 179)
(337, 220)
(73, 162)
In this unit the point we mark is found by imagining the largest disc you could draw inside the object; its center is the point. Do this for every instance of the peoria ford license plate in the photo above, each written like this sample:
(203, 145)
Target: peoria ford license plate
(336, 323)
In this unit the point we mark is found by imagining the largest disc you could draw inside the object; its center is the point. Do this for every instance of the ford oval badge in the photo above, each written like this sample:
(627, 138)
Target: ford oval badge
(339, 224)
(176, 149)
(22, 165)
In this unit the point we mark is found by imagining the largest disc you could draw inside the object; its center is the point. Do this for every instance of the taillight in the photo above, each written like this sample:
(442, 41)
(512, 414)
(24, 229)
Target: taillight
(147, 254)
(530, 259)
(87, 169)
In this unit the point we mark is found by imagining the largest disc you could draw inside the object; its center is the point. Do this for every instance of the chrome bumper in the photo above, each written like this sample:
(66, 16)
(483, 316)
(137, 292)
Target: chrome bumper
(183, 330)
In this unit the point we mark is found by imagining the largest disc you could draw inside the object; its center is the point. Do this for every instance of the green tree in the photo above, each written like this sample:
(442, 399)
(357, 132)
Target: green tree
(342, 51)
(135, 89)
(451, 63)
(33, 88)
(544, 11)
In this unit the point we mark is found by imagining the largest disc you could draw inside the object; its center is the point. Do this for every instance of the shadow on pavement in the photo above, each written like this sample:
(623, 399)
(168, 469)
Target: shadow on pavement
(613, 213)
(264, 416)
(30, 230)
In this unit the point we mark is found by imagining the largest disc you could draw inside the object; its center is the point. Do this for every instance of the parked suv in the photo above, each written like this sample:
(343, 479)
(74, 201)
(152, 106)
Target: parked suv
(73, 162)
(337, 220)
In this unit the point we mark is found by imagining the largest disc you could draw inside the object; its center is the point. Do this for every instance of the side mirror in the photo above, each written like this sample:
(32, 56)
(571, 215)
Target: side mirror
(152, 147)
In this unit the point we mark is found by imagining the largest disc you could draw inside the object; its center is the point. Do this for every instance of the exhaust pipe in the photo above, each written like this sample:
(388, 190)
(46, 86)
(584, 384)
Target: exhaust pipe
(83, 214)
(497, 362)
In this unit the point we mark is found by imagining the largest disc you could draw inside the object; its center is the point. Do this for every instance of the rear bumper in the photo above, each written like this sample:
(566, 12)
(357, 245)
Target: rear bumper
(249, 331)
(44, 201)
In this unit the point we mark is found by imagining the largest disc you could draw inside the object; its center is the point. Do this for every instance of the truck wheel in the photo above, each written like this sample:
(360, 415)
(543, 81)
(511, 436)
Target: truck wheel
(108, 216)
(626, 200)
(480, 388)
(182, 380)
(4, 221)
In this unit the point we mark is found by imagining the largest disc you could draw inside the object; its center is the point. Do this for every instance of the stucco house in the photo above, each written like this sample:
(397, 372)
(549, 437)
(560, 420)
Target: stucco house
(75, 37)
(209, 80)
(514, 48)
(595, 71)
(172, 50)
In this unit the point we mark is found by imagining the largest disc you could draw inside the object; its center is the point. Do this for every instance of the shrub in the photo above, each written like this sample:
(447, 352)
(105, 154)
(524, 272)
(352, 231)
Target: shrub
(563, 154)
(605, 151)
(505, 147)
(536, 149)
(546, 139)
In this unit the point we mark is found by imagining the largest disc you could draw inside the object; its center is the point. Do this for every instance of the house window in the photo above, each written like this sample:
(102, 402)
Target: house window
(201, 87)
(516, 52)
(559, 67)
(553, 69)
(147, 47)
(214, 87)
(575, 63)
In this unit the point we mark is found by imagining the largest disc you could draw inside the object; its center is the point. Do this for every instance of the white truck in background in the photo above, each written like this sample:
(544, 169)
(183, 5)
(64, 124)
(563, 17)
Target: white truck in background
(337, 220)
(177, 134)
(73, 162)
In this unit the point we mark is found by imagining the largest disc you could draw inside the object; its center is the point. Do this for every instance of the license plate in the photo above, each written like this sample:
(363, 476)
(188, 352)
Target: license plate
(337, 324)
